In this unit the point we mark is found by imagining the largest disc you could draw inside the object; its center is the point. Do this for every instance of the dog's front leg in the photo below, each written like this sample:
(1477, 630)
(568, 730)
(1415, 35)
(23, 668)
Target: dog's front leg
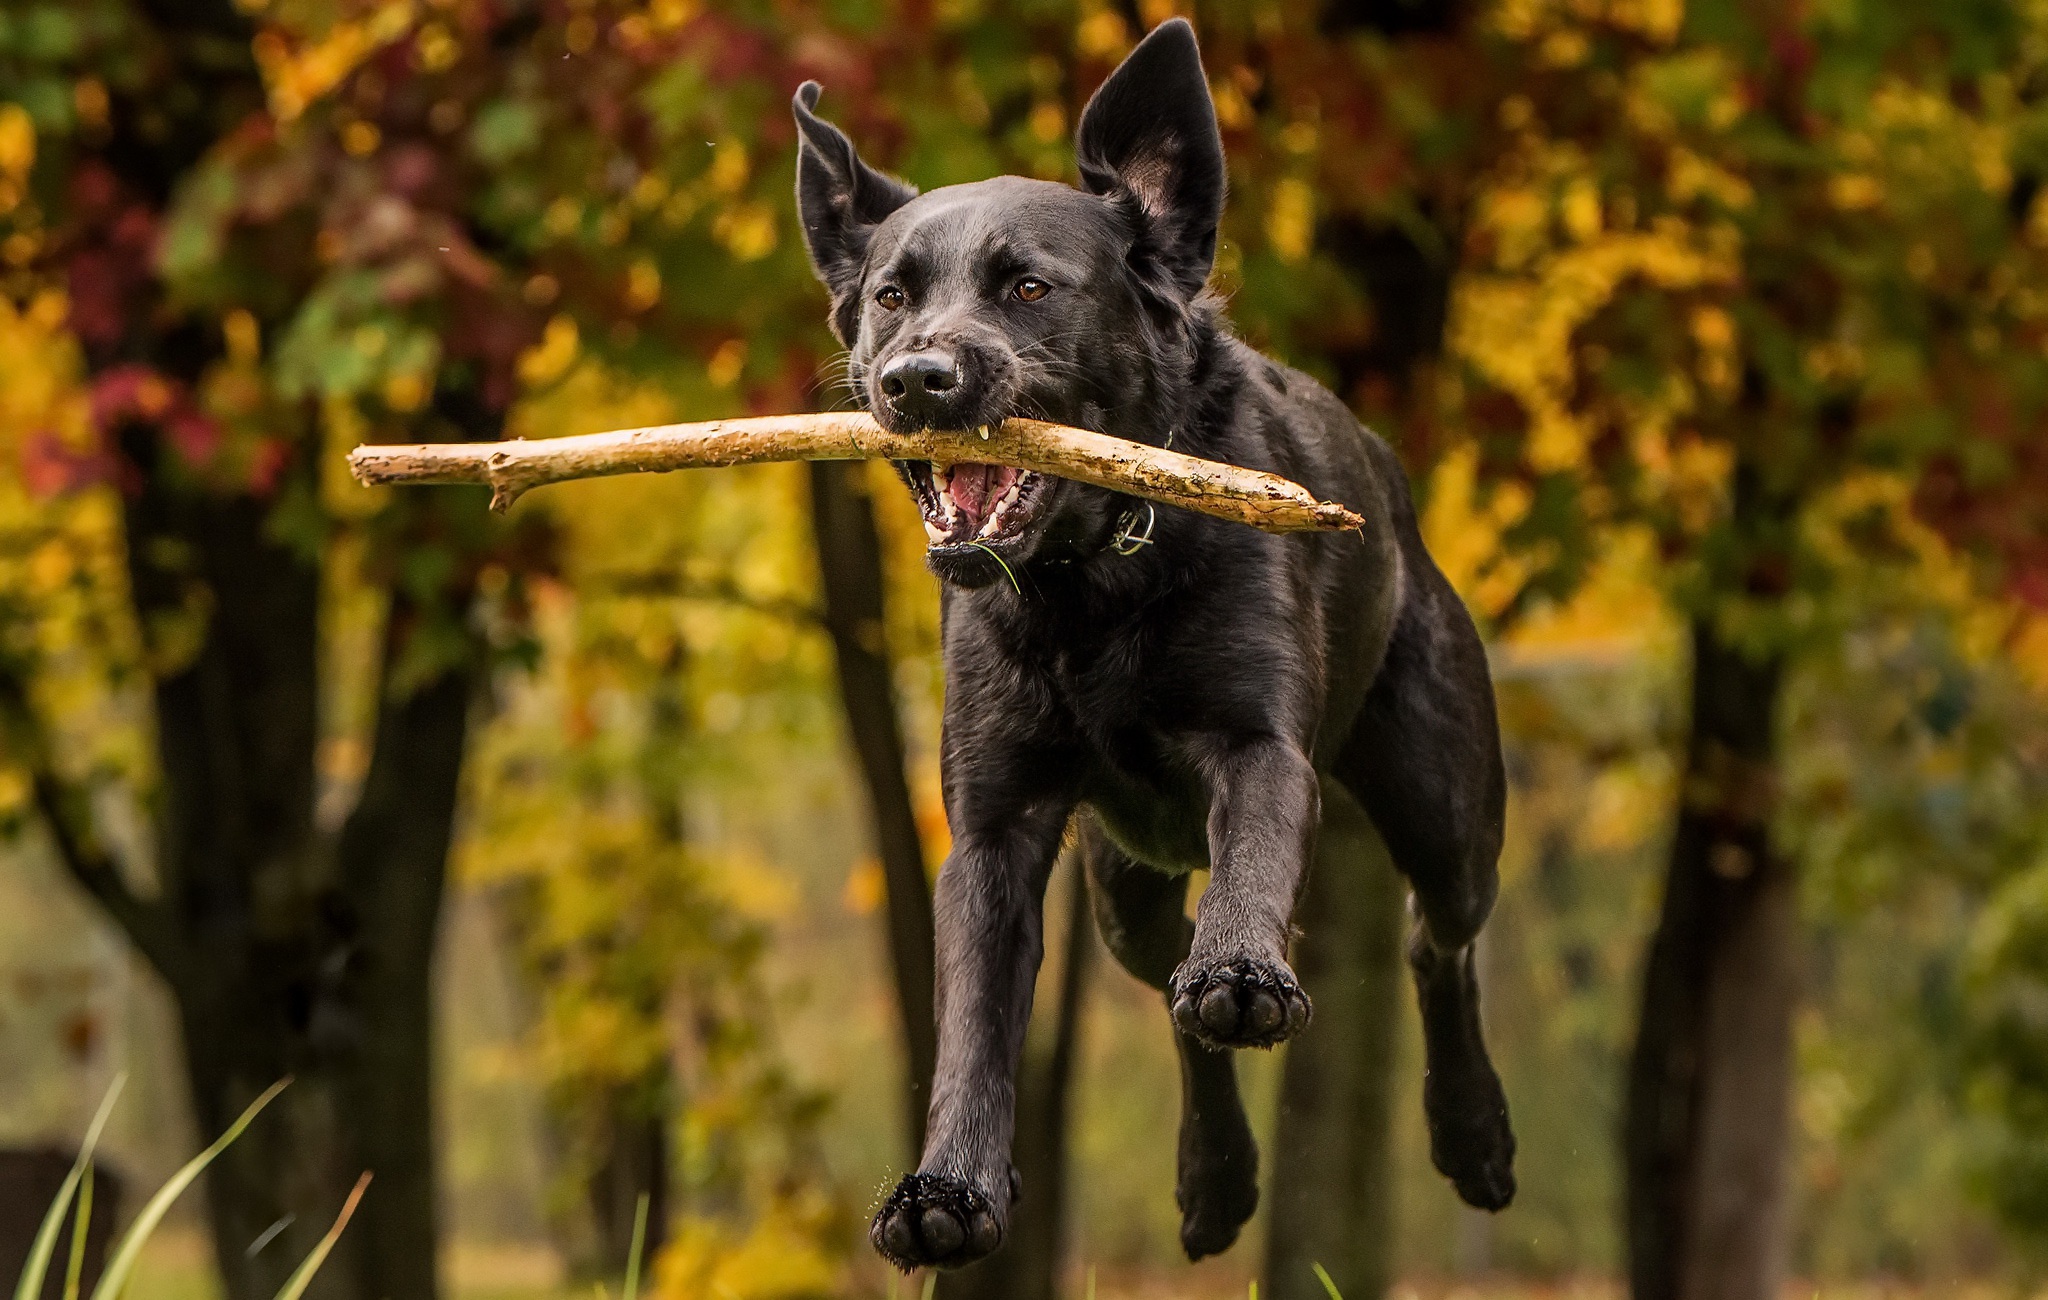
(1235, 989)
(955, 1208)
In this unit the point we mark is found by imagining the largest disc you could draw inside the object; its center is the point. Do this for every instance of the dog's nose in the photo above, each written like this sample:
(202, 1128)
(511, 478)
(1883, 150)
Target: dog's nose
(920, 384)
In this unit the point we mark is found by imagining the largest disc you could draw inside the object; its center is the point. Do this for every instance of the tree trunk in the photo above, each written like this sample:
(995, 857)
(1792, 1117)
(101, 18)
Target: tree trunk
(287, 952)
(1710, 1081)
(636, 1162)
(324, 975)
(850, 564)
(392, 866)
(1331, 1193)
(236, 731)
(1027, 1267)
(1331, 1187)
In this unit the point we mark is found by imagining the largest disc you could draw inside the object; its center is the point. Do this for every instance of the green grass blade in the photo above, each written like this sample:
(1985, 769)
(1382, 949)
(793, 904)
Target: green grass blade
(639, 1244)
(115, 1280)
(983, 546)
(75, 1269)
(302, 1276)
(30, 1285)
(1323, 1276)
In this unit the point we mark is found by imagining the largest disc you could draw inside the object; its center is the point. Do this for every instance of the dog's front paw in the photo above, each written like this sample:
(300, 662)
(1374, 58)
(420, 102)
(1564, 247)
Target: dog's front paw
(1238, 1002)
(933, 1221)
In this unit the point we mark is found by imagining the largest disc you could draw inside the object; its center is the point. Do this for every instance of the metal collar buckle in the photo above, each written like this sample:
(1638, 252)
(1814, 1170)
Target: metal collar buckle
(1127, 542)
(1124, 541)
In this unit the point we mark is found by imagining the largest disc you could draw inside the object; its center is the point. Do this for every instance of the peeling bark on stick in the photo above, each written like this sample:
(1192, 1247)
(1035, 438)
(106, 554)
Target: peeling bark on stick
(1230, 492)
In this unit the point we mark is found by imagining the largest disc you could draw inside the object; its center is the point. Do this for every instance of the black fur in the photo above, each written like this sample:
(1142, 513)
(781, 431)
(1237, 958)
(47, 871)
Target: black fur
(1188, 694)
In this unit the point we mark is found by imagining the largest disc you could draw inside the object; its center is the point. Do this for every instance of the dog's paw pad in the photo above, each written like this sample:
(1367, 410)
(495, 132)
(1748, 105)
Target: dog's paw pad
(932, 1221)
(1244, 1002)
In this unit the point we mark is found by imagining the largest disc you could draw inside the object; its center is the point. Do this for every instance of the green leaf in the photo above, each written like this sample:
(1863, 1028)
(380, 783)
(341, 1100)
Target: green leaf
(983, 546)
(639, 1245)
(115, 1280)
(30, 1285)
(48, 33)
(79, 1223)
(302, 1276)
(504, 129)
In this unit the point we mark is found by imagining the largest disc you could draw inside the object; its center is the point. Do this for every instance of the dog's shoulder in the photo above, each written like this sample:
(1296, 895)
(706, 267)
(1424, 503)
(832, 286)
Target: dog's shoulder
(1302, 430)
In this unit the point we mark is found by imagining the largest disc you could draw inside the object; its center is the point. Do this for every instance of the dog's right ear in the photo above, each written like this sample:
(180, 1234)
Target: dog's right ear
(840, 200)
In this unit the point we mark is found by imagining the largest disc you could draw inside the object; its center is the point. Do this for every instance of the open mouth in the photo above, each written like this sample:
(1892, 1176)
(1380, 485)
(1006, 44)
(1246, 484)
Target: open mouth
(973, 503)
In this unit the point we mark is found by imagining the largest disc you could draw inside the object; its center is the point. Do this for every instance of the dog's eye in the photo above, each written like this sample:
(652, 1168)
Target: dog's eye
(1031, 289)
(889, 297)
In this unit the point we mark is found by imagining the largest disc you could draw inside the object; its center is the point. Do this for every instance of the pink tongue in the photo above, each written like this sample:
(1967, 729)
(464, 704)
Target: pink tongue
(973, 485)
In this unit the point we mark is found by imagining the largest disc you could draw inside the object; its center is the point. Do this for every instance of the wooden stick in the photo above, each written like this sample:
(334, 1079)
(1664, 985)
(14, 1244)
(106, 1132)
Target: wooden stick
(1231, 492)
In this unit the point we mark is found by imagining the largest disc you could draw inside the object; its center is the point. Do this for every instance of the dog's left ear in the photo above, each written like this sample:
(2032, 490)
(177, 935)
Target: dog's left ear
(839, 201)
(1150, 134)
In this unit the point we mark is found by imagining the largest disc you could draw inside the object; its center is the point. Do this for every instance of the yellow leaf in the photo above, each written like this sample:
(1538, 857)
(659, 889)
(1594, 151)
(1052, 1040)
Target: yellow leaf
(865, 887)
(1290, 221)
(550, 358)
(1102, 35)
(17, 140)
(643, 285)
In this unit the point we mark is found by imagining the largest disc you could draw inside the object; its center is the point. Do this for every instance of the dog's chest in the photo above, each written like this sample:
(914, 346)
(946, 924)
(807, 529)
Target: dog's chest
(1130, 713)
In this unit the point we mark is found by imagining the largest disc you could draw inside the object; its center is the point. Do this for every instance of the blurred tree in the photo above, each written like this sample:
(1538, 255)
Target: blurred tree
(1334, 200)
(1703, 288)
(1029, 1267)
(1699, 269)
(656, 1036)
(1332, 1184)
(339, 222)
(1913, 805)
(851, 574)
(294, 945)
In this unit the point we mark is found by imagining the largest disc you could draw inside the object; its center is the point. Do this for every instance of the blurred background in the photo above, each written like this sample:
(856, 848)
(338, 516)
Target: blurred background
(581, 855)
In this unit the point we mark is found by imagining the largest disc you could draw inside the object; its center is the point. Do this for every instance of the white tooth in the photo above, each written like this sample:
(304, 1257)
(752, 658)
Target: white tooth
(933, 531)
(982, 429)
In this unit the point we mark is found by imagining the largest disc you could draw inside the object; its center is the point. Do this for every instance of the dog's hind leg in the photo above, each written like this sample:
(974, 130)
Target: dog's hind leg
(1424, 759)
(1142, 916)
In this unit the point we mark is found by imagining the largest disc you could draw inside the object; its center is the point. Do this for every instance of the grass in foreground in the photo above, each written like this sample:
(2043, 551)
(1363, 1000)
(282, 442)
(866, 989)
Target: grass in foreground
(77, 1191)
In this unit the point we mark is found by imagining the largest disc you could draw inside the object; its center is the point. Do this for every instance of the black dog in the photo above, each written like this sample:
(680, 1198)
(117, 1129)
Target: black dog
(1195, 684)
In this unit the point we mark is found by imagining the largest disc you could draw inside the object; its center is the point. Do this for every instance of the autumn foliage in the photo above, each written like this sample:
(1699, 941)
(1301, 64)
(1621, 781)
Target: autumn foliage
(1725, 312)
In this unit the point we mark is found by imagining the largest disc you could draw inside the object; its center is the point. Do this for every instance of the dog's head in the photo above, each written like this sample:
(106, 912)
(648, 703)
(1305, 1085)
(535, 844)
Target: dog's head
(1016, 297)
